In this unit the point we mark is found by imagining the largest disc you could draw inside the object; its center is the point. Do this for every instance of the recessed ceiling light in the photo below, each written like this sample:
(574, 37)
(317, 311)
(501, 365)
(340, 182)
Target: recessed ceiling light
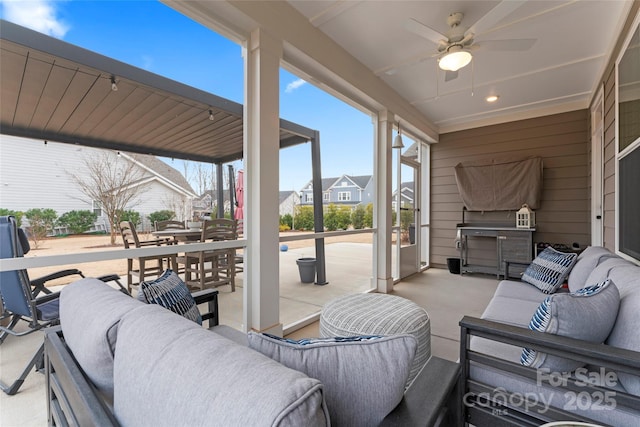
(492, 98)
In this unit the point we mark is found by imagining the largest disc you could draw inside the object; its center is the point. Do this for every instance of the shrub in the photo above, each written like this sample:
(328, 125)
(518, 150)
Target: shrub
(132, 216)
(304, 217)
(343, 217)
(77, 221)
(41, 223)
(17, 214)
(331, 218)
(164, 215)
(284, 227)
(357, 217)
(368, 216)
(286, 219)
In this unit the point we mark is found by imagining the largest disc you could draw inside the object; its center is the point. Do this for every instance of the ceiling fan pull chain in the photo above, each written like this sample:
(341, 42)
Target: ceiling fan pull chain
(473, 73)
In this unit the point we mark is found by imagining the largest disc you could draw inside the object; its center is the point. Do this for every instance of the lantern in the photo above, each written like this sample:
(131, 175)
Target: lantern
(525, 217)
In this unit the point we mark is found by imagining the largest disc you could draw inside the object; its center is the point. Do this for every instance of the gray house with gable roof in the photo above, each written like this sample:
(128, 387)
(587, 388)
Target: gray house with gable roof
(346, 190)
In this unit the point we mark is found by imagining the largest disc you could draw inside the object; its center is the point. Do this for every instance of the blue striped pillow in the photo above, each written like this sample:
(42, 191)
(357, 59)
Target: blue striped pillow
(549, 270)
(170, 292)
(587, 314)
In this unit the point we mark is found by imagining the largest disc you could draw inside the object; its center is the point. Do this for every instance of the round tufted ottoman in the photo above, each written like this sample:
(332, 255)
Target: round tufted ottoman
(378, 314)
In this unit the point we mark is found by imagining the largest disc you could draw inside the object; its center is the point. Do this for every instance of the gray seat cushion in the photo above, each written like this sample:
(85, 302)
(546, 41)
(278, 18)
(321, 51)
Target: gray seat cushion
(90, 311)
(587, 261)
(171, 372)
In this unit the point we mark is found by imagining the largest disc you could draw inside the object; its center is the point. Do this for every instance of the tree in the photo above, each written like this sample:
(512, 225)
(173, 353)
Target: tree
(331, 218)
(304, 217)
(343, 217)
(357, 217)
(130, 215)
(41, 222)
(77, 221)
(114, 182)
(368, 216)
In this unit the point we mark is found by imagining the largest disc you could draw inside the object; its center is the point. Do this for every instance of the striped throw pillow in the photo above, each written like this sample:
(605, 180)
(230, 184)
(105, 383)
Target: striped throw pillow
(170, 292)
(549, 270)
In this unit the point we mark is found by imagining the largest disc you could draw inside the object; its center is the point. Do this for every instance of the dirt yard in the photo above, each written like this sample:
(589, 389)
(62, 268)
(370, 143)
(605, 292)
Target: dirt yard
(95, 243)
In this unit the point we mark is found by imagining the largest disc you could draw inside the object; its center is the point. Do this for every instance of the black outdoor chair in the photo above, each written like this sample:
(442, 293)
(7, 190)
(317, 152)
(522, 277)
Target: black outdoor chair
(20, 301)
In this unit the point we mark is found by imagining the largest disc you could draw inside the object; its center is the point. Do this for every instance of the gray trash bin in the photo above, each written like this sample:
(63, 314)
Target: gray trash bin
(307, 269)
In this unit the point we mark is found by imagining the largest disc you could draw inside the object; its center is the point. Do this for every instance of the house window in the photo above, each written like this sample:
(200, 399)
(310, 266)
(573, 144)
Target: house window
(628, 156)
(309, 197)
(97, 208)
(326, 197)
(344, 196)
(344, 183)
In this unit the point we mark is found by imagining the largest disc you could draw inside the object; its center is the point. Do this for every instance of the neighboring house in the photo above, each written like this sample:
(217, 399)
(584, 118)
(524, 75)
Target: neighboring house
(346, 190)
(38, 174)
(206, 203)
(288, 201)
(406, 195)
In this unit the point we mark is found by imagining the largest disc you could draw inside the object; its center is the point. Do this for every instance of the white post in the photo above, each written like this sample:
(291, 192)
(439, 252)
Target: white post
(261, 158)
(382, 203)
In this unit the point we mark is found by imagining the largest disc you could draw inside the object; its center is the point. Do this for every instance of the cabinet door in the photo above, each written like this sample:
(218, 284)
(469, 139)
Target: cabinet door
(514, 246)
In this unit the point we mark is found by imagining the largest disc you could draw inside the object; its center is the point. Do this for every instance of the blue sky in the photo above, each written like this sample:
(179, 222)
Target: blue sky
(152, 36)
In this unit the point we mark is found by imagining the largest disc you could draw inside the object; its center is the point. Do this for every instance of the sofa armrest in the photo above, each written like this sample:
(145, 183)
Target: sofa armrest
(210, 297)
(432, 399)
(600, 355)
(71, 398)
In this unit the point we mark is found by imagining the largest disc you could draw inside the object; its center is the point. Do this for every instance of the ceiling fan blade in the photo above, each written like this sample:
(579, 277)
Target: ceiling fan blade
(506, 45)
(495, 15)
(425, 32)
(450, 75)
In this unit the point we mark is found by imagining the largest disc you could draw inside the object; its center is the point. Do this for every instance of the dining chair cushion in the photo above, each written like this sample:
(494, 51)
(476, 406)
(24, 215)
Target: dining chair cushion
(169, 291)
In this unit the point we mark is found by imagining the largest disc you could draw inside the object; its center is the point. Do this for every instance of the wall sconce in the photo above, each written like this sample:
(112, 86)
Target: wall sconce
(114, 86)
(211, 115)
(397, 142)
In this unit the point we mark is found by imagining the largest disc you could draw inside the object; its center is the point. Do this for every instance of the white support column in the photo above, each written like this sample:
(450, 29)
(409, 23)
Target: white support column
(261, 158)
(382, 204)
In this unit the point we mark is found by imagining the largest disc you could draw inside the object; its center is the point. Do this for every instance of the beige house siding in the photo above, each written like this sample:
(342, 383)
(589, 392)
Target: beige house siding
(609, 175)
(562, 140)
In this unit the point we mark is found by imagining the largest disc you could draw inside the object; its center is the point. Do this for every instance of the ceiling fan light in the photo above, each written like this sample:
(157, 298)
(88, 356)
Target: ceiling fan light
(453, 61)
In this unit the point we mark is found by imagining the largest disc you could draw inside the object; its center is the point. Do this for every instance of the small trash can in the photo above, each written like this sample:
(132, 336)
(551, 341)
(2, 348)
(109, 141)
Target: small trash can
(454, 265)
(307, 269)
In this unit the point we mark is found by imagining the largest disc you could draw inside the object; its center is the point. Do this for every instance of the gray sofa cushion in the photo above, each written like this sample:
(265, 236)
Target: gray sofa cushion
(549, 269)
(171, 372)
(90, 311)
(625, 331)
(511, 311)
(586, 262)
(363, 380)
(587, 314)
(521, 291)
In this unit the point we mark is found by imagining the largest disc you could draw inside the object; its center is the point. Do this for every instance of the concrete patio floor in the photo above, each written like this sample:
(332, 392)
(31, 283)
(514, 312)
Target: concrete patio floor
(446, 298)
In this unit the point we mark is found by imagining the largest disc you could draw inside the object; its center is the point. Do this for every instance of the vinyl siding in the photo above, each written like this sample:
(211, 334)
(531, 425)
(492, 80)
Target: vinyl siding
(35, 175)
(562, 140)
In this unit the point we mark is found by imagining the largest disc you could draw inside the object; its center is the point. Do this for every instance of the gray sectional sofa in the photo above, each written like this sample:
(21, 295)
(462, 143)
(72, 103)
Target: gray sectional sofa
(593, 379)
(117, 361)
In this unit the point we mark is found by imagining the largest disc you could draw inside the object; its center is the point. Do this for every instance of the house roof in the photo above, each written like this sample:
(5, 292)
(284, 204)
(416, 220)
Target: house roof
(53, 90)
(283, 195)
(361, 181)
(163, 169)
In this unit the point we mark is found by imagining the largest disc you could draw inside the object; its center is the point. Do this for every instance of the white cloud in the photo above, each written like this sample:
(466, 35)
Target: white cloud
(39, 15)
(294, 85)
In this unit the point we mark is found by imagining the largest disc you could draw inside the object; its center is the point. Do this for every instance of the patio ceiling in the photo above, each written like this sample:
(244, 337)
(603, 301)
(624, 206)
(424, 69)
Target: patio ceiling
(55, 91)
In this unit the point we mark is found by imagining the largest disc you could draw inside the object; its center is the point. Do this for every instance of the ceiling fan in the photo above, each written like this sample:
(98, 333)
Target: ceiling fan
(455, 46)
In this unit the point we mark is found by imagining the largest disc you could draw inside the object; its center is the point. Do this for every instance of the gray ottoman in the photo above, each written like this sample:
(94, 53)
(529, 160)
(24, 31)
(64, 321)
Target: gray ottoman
(379, 314)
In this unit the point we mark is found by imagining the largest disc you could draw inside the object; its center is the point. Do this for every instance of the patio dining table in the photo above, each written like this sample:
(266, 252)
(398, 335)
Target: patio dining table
(188, 235)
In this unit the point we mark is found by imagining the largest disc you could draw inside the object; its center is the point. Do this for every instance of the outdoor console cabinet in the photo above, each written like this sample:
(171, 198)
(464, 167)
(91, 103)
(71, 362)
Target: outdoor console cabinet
(511, 244)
